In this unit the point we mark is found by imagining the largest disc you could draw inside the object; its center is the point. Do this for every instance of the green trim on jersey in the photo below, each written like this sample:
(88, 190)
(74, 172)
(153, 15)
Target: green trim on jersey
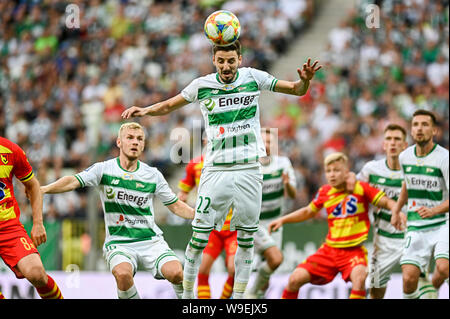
(278, 173)
(273, 84)
(173, 201)
(112, 207)
(232, 116)
(422, 170)
(80, 180)
(273, 195)
(233, 141)
(413, 215)
(414, 228)
(124, 231)
(390, 235)
(425, 194)
(381, 180)
(135, 185)
(240, 161)
(123, 169)
(205, 93)
(270, 214)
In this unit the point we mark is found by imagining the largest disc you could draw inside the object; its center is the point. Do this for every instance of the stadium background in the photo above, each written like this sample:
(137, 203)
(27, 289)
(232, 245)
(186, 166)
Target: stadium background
(62, 91)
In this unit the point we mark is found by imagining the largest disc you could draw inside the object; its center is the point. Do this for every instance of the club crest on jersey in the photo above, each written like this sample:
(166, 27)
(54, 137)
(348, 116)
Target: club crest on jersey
(346, 207)
(127, 176)
(4, 159)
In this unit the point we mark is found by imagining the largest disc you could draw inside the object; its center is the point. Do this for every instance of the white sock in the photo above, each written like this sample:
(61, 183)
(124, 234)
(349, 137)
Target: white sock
(192, 260)
(262, 278)
(243, 263)
(414, 295)
(131, 293)
(178, 290)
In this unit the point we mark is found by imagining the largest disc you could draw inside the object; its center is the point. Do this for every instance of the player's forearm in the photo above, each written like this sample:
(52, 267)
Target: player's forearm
(165, 107)
(181, 209)
(387, 203)
(301, 88)
(290, 190)
(62, 185)
(34, 194)
(401, 201)
(441, 209)
(298, 216)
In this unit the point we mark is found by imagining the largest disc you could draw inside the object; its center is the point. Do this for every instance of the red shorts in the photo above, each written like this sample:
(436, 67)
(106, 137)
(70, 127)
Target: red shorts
(14, 245)
(219, 240)
(328, 261)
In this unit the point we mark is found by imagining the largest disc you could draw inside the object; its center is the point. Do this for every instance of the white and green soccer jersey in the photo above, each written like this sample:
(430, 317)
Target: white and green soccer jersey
(426, 180)
(231, 114)
(127, 199)
(379, 175)
(273, 187)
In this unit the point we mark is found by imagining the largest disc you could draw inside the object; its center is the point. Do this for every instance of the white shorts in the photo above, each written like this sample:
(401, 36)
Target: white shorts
(219, 190)
(263, 240)
(420, 246)
(385, 256)
(151, 255)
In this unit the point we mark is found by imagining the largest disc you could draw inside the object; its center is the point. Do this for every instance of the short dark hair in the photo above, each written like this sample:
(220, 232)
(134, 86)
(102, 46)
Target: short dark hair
(427, 113)
(236, 46)
(395, 127)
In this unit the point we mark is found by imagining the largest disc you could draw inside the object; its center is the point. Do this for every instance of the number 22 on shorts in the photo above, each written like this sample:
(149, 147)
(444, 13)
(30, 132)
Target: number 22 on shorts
(205, 201)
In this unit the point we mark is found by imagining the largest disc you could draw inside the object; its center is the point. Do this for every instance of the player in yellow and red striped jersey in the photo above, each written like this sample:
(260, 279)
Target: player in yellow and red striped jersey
(217, 241)
(348, 223)
(17, 249)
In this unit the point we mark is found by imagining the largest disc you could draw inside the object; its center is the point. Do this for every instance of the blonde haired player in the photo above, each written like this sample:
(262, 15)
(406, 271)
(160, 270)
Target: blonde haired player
(127, 189)
(348, 222)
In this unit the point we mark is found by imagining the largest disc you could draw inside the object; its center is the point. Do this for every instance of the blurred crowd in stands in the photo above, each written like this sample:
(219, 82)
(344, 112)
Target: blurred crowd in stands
(62, 89)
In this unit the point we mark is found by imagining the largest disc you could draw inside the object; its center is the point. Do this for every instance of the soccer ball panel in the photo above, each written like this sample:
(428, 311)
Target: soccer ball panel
(222, 28)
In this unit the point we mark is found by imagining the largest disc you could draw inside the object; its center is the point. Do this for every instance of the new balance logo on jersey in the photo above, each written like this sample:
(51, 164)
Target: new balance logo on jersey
(115, 181)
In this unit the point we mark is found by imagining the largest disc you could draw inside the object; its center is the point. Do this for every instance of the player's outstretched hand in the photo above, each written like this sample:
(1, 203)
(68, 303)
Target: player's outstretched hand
(308, 70)
(273, 226)
(396, 221)
(38, 234)
(425, 212)
(133, 111)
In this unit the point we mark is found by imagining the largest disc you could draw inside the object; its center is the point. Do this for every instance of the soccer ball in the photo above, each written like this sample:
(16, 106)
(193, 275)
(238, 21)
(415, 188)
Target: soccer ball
(222, 28)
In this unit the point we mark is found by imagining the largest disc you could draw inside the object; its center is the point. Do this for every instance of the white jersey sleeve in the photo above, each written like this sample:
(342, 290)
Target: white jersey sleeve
(163, 191)
(444, 169)
(190, 92)
(264, 80)
(363, 175)
(290, 171)
(91, 176)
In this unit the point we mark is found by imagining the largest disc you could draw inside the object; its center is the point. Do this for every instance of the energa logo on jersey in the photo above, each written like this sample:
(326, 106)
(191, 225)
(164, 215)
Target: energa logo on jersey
(347, 207)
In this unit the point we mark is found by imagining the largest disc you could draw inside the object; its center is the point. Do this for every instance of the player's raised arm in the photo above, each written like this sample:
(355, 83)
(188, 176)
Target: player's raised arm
(300, 87)
(395, 211)
(157, 109)
(62, 185)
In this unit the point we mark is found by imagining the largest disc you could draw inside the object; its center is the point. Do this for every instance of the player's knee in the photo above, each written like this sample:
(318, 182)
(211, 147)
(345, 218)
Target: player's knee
(173, 272)
(297, 279)
(275, 260)
(123, 277)
(36, 275)
(442, 269)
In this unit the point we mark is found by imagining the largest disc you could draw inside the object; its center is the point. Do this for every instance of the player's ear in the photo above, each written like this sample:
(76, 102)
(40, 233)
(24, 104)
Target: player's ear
(240, 60)
(118, 142)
